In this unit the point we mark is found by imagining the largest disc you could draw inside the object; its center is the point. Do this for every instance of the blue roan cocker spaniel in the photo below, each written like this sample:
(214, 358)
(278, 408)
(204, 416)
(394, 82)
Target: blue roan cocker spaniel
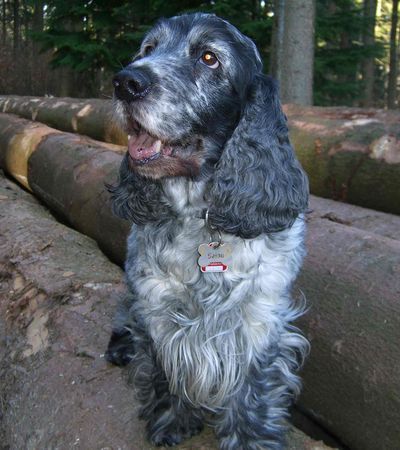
(217, 200)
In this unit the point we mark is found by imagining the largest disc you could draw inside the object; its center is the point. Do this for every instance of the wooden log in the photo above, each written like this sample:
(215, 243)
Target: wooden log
(58, 295)
(383, 224)
(350, 154)
(350, 278)
(18, 140)
(68, 172)
(90, 117)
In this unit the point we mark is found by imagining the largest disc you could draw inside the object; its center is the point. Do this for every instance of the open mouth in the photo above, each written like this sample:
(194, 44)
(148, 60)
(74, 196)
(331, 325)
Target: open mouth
(144, 148)
(155, 157)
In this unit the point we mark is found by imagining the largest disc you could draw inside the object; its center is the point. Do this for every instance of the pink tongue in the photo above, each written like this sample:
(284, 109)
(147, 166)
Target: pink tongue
(142, 146)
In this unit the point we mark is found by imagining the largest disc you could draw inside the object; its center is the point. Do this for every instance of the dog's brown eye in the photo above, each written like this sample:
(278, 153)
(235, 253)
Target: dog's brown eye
(148, 49)
(210, 60)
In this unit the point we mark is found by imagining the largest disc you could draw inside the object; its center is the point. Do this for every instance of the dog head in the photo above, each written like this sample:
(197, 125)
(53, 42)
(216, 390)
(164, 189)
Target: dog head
(183, 94)
(195, 103)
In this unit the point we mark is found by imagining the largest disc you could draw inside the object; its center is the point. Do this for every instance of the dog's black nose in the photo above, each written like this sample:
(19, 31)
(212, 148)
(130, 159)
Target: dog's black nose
(131, 84)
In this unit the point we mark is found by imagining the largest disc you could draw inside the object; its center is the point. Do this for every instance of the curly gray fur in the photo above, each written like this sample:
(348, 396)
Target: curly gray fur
(216, 342)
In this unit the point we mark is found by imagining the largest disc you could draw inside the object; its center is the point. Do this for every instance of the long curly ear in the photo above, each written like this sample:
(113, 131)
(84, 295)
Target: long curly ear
(258, 186)
(136, 198)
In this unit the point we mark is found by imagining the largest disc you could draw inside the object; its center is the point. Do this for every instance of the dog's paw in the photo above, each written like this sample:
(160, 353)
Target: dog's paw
(120, 349)
(166, 439)
(174, 434)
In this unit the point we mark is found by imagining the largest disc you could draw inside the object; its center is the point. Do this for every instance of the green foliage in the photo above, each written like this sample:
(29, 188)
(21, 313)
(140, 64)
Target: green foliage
(103, 35)
(339, 52)
(91, 35)
(88, 36)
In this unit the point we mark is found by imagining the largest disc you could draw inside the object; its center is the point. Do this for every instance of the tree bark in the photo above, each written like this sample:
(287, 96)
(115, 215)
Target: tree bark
(392, 80)
(295, 59)
(369, 41)
(16, 27)
(349, 154)
(68, 77)
(91, 117)
(275, 67)
(353, 314)
(23, 142)
(38, 74)
(20, 139)
(4, 21)
(363, 219)
(38, 19)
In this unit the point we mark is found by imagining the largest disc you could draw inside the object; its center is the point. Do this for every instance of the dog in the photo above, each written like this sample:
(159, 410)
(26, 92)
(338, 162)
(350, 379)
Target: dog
(217, 200)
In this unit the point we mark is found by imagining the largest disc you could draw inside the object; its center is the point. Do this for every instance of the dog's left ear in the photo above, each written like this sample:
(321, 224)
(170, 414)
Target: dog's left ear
(259, 186)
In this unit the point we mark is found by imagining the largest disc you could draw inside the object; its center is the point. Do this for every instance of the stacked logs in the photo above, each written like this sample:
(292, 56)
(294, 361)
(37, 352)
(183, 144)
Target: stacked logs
(350, 279)
(350, 154)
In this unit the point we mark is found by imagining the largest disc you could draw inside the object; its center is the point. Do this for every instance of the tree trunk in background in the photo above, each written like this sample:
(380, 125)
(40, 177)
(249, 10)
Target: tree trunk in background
(25, 14)
(38, 74)
(277, 39)
(38, 16)
(67, 76)
(66, 85)
(4, 22)
(392, 82)
(368, 41)
(16, 20)
(295, 50)
(346, 43)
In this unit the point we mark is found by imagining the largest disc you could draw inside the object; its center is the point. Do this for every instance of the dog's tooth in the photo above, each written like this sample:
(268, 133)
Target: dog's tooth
(157, 146)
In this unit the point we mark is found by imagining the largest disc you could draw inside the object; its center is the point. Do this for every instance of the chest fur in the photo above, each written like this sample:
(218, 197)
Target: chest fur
(207, 327)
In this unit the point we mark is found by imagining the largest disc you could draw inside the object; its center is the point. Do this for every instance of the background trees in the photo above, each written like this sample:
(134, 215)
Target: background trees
(292, 50)
(72, 47)
(394, 49)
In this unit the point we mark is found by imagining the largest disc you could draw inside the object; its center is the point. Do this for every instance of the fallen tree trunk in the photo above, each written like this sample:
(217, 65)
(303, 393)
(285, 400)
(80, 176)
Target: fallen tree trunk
(58, 295)
(60, 175)
(90, 117)
(350, 154)
(20, 138)
(351, 281)
(68, 172)
(382, 224)
(350, 278)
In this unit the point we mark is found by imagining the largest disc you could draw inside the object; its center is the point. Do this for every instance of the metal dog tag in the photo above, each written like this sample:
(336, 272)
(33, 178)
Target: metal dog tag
(215, 257)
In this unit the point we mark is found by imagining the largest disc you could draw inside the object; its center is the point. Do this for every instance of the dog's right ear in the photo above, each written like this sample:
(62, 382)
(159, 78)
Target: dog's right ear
(136, 198)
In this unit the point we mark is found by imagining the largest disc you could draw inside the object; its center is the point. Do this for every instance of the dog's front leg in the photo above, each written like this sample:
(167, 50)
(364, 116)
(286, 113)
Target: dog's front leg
(122, 347)
(255, 418)
(169, 419)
